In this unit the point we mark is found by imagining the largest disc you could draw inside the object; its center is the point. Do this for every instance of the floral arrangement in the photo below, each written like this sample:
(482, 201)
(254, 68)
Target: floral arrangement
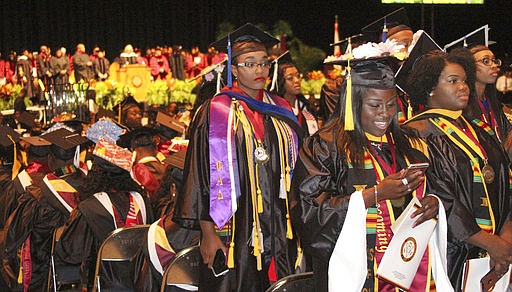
(8, 93)
(158, 93)
(182, 92)
(110, 93)
(372, 50)
(313, 84)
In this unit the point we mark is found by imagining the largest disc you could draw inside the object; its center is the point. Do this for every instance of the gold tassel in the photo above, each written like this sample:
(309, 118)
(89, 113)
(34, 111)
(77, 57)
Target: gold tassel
(260, 201)
(257, 248)
(231, 252)
(409, 109)
(289, 233)
(16, 165)
(299, 255)
(231, 255)
(349, 119)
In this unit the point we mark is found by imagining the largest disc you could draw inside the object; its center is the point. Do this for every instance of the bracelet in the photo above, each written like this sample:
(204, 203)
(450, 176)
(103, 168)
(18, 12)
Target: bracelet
(375, 194)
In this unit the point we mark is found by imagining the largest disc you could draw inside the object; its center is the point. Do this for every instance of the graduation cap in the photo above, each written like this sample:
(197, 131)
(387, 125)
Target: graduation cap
(57, 126)
(36, 141)
(479, 36)
(105, 113)
(7, 136)
(113, 154)
(27, 120)
(245, 39)
(104, 129)
(284, 58)
(177, 159)
(65, 138)
(139, 137)
(170, 122)
(384, 27)
(422, 46)
(124, 105)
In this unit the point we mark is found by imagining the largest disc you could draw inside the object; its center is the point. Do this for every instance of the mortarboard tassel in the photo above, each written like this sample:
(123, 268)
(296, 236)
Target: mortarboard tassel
(274, 77)
(465, 45)
(230, 77)
(231, 251)
(409, 109)
(16, 165)
(384, 31)
(349, 119)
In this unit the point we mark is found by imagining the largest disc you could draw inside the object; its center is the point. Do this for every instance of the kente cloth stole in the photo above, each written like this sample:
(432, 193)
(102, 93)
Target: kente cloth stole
(136, 214)
(470, 148)
(160, 250)
(379, 219)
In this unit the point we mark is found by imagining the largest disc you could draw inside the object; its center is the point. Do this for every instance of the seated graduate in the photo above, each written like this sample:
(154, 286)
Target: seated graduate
(109, 199)
(148, 169)
(469, 170)
(44, 206)
(351, 174)
(165, 238)
(129, 112)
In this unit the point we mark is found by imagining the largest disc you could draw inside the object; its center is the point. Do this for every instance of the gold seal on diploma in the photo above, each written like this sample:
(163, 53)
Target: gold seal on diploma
(408, 249)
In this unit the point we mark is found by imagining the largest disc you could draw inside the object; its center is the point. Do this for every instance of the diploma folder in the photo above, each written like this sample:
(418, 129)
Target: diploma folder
(406, 249)
(475, 270)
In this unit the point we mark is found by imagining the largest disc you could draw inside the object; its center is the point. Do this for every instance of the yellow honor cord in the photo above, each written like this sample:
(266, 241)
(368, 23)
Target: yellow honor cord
(476, 163)
(349, 119)
(16, 165)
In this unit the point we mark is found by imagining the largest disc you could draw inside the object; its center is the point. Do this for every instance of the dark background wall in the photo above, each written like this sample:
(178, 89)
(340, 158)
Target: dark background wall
(114, 23)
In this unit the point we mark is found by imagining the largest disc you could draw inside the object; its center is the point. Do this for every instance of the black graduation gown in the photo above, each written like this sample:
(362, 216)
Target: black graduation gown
(321, 188)
(450, 176)
(37, 215)
(89, 224)
(193, 206)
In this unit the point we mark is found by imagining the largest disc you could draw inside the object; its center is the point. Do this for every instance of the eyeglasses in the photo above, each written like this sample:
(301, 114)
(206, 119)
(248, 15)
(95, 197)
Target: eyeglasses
(251, 65)
(489, 61)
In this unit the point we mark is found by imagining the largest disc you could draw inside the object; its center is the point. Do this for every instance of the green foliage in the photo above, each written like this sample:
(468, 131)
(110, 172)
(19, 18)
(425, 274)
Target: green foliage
(282, 27)
(8, 94)
(158, 93)
(108, 94)
(306, 58)
(312, 86)
(182, 92)
(223, 29)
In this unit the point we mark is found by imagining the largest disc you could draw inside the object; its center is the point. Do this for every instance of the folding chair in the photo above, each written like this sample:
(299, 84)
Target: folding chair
(304, 282)
(122, 245)
(62, 276)
(183, 271)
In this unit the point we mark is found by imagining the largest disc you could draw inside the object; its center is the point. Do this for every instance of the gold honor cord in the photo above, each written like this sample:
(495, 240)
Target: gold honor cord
(455, 130)
(249, 144)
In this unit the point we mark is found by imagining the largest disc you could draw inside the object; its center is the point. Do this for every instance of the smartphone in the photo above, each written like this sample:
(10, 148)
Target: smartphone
(416, 166)
(219, 266)
(489, 280)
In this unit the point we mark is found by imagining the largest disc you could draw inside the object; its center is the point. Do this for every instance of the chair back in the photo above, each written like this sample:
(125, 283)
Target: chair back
(304, 282)
(62, 275)
(121, 245)
(183, 271)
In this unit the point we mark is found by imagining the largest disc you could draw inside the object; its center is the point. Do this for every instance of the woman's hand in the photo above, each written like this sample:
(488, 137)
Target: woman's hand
(210, 243)
(501, 253)
(429, 209)
(395, 186)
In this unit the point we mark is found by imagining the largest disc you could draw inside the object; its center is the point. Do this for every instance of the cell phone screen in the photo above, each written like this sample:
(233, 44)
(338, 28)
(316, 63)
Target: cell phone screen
(219, 266)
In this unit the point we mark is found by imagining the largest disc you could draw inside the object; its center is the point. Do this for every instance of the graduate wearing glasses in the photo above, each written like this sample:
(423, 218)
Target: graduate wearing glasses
(242, 150)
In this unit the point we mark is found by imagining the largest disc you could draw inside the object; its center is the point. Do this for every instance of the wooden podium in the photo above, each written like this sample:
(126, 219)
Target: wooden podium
(138, 77)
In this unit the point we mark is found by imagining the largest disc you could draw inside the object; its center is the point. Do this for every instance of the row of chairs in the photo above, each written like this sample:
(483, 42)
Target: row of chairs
(123, 245)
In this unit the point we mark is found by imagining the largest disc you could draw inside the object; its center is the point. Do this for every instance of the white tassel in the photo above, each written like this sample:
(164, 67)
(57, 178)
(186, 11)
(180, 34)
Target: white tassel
(282, 188)
(274, 78)
(76, 159)
(218, 81)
